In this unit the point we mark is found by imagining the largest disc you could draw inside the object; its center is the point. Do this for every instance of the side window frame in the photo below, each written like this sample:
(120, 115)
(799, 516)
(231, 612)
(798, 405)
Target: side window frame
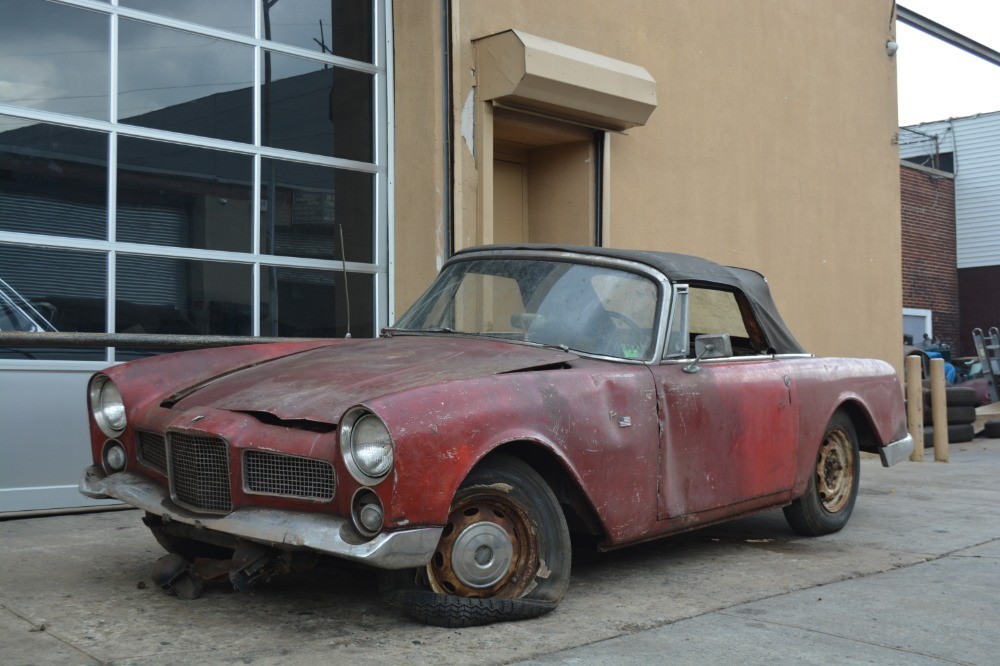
(679, 323)
(676, 343)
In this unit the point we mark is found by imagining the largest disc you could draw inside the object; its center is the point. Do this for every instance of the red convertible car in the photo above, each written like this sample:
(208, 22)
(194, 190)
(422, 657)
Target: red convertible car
(531, 392)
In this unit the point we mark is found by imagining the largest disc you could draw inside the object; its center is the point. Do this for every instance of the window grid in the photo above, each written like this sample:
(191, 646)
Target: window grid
(381, 129)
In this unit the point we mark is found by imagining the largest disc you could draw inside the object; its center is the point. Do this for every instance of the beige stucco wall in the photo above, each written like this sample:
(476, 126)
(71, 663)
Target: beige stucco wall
(771, 148)
(420, 241)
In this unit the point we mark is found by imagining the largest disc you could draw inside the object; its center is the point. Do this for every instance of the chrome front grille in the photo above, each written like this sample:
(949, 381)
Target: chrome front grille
(199, 471)
(152, 450)
(288, 476)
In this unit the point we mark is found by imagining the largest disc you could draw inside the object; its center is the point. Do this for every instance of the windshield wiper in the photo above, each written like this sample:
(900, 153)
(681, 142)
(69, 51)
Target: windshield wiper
(429, 329)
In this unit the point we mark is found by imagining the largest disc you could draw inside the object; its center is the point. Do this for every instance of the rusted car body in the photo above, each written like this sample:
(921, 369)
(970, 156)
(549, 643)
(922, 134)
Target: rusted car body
(531, 391)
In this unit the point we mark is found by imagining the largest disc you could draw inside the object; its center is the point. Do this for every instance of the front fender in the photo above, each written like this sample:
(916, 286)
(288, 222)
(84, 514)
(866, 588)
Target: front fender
(579, 414)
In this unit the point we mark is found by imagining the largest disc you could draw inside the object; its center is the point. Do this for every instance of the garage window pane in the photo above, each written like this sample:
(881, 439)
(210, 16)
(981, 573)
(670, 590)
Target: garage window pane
(340, 27)
(302, 204)
(170, 194)
(182, 296)
(315, 108)
(299, 302)
(55, 58)
(232, 15)
(52, 289)
(182, 82)
(53, 179)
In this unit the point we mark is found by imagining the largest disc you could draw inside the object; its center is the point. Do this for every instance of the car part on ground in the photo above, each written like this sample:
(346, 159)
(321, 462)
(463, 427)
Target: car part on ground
(173, 573)
(992, 428)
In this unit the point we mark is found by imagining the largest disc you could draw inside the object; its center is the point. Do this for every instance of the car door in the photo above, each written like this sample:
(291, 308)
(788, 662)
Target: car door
(729, 426)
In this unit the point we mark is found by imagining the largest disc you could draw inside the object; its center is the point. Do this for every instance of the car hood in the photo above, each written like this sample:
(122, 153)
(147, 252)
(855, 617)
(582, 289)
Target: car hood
(320, 384)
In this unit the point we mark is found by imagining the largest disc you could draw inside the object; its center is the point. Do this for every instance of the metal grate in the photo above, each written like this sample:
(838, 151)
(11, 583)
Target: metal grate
(288, 476)
(199, 471)
(152, 450)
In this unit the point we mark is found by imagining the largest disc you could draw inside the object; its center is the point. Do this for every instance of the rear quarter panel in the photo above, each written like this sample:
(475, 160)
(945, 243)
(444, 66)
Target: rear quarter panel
(870, 388)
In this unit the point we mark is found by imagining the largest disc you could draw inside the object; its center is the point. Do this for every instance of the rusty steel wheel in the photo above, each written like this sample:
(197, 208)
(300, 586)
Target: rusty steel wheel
(504, 553)
(833, 487)
(489, 547)
(835, 470)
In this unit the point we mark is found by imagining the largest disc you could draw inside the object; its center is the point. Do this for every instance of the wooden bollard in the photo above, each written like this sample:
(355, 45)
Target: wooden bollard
(939, 410)
(915, 406)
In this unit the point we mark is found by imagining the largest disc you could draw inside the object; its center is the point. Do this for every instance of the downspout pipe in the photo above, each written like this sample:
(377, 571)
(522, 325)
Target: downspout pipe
(448, 118)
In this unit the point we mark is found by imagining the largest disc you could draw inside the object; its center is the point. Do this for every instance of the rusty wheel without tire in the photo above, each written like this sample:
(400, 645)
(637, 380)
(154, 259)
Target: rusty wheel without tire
(833, 485)
(504, 553)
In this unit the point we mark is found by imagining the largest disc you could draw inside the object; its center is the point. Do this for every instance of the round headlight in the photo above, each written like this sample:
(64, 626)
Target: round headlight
(371, 446)
(366, 446)
(107, 405)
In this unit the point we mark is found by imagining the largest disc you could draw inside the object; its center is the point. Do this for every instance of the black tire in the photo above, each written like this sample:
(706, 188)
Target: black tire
(992, 428)
(955, 415)
(961, 414)
(961, 396)
(505, 503)
(189, 549)
(833, 484)
(957, 434)
(963, 432)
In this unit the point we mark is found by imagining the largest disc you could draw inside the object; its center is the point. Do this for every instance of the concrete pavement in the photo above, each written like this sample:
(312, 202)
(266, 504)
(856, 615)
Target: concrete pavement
(912, 579)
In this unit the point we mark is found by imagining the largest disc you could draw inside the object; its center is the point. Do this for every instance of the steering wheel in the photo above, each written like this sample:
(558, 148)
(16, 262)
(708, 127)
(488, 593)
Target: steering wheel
(625, 321)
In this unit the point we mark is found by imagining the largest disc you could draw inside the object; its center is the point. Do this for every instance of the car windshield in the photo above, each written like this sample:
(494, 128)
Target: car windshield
(586, 308)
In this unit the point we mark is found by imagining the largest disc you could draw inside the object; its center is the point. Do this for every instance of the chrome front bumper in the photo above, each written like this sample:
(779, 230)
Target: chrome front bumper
(897, 451)
(319, 532)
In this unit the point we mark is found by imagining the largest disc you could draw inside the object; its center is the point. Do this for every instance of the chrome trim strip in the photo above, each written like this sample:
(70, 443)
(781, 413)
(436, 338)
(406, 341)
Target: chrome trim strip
(897, 451)
(320, 532)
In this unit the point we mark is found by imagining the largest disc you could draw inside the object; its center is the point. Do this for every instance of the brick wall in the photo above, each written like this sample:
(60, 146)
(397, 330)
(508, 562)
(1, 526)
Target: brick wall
(980, 290)
(930, 276)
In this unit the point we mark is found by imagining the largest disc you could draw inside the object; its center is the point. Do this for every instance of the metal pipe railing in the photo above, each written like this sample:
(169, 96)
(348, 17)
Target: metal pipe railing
(131, 340)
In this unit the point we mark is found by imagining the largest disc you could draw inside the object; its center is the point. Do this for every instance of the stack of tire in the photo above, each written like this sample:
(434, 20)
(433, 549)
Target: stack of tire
(961, 402)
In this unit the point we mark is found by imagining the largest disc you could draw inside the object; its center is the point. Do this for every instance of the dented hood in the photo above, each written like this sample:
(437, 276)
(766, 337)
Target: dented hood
(320, 384)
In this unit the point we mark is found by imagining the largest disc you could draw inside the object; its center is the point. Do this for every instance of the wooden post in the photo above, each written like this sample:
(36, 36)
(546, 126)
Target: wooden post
(915, 406)
(939, 410)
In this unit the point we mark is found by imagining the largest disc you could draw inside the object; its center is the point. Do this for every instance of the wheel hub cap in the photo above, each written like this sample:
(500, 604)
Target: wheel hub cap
(489, 547)
(481, 555)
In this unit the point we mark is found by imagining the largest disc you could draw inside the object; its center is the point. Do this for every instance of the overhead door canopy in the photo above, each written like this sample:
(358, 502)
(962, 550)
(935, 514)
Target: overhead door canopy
(530, 73)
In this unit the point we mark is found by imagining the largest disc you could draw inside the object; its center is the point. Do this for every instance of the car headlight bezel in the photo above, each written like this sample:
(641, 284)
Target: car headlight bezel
(366, 446)
(107, 407)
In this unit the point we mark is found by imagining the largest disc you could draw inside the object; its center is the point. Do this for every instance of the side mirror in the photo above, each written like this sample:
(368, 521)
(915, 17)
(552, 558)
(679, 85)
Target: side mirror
(709, 346)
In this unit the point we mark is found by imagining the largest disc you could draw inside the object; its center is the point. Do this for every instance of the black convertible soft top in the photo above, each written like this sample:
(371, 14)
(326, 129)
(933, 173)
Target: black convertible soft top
(686, 269)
